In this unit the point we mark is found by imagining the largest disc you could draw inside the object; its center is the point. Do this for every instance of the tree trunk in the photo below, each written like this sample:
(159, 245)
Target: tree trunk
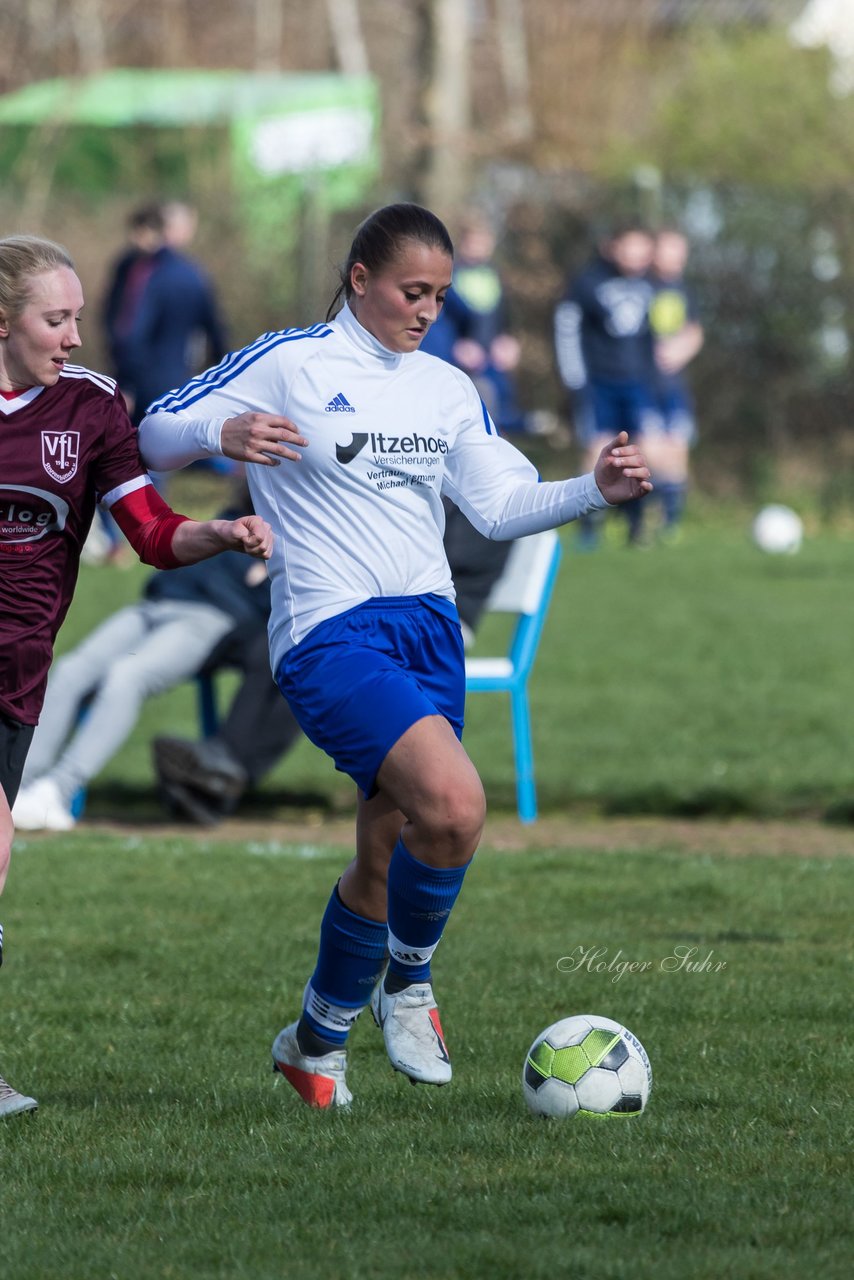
(90, 35)
(447, 106)
(345, 25)
(513, 51)
(268, 35)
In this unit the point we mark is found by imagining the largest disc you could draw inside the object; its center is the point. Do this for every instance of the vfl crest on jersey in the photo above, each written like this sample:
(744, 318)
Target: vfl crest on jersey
(60, 452)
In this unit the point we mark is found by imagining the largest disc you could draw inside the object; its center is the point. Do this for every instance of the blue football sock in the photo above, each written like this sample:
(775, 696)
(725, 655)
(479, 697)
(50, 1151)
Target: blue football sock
(420, 899)
(672, 497)
(349, 964)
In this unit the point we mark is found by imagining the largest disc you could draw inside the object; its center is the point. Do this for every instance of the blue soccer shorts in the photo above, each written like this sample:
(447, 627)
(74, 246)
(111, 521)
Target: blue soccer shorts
(358, 681)
(606, 408)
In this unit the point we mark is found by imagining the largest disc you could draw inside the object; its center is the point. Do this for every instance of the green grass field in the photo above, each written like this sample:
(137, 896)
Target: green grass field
(148, 973)
(147, 979)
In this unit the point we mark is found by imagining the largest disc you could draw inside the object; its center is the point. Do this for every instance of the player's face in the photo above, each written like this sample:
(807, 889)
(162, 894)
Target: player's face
(35, 345)
(631, 253)
(399, 303)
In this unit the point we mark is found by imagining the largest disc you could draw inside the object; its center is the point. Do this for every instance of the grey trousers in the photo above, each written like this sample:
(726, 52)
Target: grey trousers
(142, 650)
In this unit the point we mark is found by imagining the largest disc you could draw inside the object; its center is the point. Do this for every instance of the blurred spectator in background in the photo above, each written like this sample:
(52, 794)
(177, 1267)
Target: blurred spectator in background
(126, 284)
(140, 651)
(472, 331)
(180, 224)
(678, 337)
(604, 348)
(205, 779)
(160, 313)
(127, 281)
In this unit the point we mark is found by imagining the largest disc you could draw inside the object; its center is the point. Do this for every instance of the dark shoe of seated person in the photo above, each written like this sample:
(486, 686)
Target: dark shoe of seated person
(207, 766)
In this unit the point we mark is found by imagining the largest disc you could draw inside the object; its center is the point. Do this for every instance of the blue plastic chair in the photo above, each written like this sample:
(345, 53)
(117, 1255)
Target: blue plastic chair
(524, 588)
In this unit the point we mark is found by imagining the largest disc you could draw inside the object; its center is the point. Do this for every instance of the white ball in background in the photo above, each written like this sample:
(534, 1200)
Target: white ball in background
(778, 530)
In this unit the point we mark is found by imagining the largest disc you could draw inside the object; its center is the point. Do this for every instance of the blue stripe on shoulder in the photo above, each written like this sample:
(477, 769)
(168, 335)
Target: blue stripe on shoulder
(487, 421)
(231, 365)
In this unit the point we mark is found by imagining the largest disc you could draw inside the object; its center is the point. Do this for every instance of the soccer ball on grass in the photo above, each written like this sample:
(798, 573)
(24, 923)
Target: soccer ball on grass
(586, 1065)
(778, 530)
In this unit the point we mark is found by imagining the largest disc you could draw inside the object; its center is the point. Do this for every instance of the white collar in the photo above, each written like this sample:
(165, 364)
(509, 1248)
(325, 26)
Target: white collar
(365, 341)
(18, 402)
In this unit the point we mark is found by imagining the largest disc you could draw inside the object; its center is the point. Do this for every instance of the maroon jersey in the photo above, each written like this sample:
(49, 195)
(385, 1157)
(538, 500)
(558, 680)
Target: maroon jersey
(62, 448)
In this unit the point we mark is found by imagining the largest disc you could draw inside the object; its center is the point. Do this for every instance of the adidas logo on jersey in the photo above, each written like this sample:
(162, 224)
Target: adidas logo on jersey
(339, 404)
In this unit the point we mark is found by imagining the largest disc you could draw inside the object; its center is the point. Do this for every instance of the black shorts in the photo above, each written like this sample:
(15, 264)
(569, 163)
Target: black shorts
(15, 739)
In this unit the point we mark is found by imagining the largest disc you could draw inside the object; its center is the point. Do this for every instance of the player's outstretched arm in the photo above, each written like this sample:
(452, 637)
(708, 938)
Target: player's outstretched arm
(163, 538)
(621, 471)
(195, 540)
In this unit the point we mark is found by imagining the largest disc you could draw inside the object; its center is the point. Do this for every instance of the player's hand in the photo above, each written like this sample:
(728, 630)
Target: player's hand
(264, 438)
(469, 355)
(505, 352)
(249, 534)
(673, 353)
(621, 471)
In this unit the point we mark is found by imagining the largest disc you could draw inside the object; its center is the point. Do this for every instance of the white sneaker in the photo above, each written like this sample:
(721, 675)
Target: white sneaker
(412, 1032)
(12, 1102)
(321, 1082)
(40, 807)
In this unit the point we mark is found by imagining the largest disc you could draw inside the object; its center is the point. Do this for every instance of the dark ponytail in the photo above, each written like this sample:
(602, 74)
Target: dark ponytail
(380, 238)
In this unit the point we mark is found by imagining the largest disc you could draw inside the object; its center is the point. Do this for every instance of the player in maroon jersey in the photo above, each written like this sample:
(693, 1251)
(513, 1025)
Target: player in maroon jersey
(66, 443)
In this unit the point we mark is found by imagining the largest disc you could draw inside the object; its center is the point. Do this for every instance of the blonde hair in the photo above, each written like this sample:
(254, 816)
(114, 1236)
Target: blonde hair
(21, 258)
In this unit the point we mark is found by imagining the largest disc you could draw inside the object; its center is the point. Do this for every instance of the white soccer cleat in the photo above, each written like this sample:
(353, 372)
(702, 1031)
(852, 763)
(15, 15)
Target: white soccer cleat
(40, 807)
(13, 1103)
(320, 1082)
(413, 1035)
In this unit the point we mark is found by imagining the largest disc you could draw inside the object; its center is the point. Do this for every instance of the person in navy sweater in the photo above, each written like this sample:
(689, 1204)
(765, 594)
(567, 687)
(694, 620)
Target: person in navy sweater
(176, 327)
(604, 348)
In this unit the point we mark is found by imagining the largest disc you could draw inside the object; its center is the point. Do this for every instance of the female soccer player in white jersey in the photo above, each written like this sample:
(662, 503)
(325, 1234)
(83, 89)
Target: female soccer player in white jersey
(364, 636)
(65, 443)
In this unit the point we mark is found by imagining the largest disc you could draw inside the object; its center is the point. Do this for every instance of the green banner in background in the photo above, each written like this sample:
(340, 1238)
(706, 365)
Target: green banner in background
(298, 142)
(311, 151)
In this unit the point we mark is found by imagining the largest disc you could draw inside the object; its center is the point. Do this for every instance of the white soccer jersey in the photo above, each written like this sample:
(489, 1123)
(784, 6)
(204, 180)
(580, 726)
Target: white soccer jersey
(360, 515)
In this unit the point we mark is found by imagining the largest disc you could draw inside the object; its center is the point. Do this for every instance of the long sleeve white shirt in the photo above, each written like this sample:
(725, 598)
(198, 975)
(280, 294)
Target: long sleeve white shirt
(360, 515)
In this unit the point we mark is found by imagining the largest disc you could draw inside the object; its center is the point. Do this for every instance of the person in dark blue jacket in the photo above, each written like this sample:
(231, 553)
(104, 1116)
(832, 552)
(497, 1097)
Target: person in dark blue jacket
(125, 287)
(604, 348)
(160, 313)
(176, 327)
